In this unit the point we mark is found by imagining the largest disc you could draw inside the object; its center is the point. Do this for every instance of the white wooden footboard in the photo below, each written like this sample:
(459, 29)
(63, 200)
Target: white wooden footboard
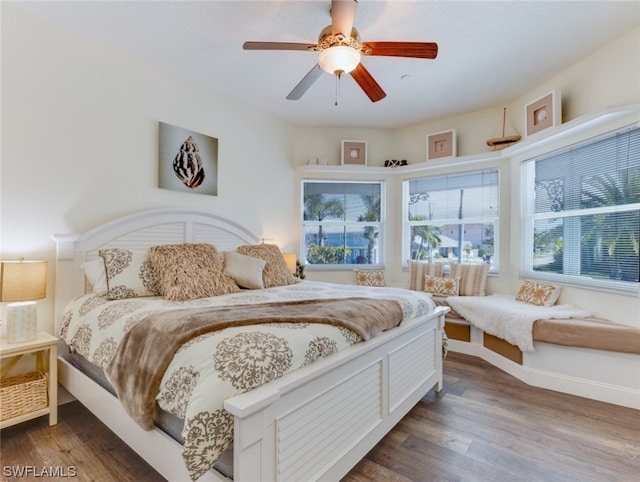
(312, 424)
(319, 422)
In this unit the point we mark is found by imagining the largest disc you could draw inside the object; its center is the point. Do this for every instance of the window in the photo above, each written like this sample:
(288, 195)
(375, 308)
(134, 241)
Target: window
(582, 213)
(342, 223)
(452, 217)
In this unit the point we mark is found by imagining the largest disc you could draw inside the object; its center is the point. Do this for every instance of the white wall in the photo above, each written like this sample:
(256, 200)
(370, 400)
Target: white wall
(79, 145)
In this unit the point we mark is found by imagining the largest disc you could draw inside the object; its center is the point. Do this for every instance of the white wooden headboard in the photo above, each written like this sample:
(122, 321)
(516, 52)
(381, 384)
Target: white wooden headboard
(138, 231)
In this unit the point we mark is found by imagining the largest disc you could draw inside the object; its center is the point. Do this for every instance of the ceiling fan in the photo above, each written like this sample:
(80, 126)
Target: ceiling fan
(340, 52)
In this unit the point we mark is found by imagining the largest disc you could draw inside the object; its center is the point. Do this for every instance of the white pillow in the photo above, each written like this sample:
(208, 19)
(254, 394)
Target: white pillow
(96, 274)
(245, 270)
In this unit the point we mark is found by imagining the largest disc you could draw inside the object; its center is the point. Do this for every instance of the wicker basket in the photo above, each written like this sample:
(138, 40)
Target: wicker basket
(22, 394)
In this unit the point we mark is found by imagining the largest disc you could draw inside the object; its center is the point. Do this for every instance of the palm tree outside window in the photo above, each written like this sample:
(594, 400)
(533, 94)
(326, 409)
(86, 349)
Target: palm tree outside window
(342, 223)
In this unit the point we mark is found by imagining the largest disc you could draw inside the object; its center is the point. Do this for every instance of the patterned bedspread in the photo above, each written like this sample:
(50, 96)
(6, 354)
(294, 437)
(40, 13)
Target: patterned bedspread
(213, 367)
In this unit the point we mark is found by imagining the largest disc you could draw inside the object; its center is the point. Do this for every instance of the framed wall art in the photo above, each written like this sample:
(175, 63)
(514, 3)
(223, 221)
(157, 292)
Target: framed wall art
(543, 113)
(354, 153)
(187, 160)
(441, 145)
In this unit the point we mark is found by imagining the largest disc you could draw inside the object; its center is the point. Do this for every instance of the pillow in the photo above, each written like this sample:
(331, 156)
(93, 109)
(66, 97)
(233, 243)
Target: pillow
(538, 293)
(190, 270)
(246, 271)
(418, 270)
(473, 278)
(438, 285)
(129, 273)
(371, 277)
(96, 274)
(276, 272)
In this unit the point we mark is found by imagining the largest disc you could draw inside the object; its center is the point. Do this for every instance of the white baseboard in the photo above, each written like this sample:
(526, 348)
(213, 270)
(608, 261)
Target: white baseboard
(579, 383)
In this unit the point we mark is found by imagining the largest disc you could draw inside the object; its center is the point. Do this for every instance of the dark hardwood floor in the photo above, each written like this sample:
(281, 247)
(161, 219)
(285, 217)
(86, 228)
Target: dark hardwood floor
(79, 444)
(484, 426)
(488, 426)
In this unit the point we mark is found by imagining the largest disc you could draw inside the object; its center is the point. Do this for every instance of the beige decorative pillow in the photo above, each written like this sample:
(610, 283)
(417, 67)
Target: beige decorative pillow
(371, 277)
(276, 272)
(419, 269)
(538, 293)
(473, 278)
(246, 271)
(129, 273)
(190, 270)
(437, 285)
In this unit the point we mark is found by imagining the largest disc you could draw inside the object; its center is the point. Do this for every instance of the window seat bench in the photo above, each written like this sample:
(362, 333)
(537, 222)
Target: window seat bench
(590, 357)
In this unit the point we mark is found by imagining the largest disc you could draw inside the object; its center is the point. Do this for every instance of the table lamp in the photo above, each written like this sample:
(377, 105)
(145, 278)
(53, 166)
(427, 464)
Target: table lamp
(290, 259)
(21, 282)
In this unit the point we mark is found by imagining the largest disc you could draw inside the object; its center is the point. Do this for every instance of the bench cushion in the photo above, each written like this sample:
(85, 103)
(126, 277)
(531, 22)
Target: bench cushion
(595, 333)
(592, 332)
(442, 301)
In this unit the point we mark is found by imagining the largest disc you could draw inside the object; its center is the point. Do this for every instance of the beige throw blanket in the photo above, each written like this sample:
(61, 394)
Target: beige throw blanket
(146, 351)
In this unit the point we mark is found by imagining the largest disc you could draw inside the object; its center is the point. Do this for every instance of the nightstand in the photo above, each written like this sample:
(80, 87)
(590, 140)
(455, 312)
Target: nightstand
(40, 346)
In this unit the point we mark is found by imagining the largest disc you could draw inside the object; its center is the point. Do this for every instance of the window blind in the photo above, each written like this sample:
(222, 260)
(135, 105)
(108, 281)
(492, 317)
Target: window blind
(453, 217)
(586, 209)
(455, 196)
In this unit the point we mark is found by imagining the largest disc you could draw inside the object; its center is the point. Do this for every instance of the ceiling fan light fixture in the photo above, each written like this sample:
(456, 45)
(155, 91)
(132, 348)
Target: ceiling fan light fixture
(339, 60)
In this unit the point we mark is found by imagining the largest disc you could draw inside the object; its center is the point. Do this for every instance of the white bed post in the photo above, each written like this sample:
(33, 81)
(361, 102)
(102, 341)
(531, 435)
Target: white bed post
(65, 254)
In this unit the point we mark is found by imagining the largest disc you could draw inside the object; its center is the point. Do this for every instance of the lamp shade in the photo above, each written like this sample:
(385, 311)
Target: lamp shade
(339, 60)
(23, 280)
(290, 259)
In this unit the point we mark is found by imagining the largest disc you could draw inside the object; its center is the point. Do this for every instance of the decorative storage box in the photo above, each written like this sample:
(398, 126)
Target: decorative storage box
(22, 394)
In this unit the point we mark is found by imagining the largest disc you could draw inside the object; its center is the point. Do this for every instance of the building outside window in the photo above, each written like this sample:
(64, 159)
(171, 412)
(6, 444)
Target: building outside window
(452, 217)
(582, 213)
(342, 223)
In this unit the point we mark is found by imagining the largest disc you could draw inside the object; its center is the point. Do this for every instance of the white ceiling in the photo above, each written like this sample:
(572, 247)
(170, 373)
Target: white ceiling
(490, 53)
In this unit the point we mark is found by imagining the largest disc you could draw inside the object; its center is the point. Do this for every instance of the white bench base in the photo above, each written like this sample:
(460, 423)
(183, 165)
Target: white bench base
(606, 376)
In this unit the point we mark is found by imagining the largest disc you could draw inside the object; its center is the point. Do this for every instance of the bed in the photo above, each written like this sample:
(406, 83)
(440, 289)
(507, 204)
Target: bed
(314, 421)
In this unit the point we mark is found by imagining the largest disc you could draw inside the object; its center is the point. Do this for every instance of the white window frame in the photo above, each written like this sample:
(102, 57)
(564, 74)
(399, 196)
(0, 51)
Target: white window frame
(572, 258)
(348, 225)
(408, 224)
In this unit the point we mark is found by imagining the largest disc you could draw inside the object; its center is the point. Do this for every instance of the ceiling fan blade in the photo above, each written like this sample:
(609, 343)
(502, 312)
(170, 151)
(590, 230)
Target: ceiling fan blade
(367, 83)
(306, 82)
(343, 13)
(277, 46)
(421, 50)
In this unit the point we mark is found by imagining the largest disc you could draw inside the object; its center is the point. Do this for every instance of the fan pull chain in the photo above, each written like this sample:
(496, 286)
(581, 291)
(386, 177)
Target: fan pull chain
(338, 77)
